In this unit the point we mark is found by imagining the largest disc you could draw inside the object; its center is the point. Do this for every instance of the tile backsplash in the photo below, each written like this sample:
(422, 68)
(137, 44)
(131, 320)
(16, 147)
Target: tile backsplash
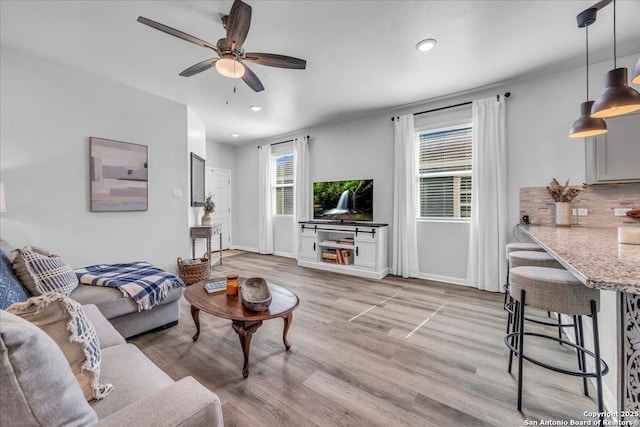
(600, 201)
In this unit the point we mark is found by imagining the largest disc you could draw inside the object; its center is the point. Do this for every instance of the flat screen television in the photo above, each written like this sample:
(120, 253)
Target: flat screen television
(343, 200)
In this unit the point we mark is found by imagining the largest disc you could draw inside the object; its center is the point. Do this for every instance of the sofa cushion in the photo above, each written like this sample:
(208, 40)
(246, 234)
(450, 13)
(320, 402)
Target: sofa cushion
(107, 334)
(11, 290)
(133, 376)
(64, 321)
(38, 387)
(41, 271)
(111, 302)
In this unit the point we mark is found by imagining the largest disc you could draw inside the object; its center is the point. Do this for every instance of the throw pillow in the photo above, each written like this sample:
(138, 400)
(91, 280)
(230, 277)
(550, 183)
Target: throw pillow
(11, 290)
(42, 271)
(38, 387)
(64, 321)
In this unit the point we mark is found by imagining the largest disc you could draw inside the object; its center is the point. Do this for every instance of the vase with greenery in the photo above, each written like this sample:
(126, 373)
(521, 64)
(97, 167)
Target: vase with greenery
(562, 195)
(209, 207)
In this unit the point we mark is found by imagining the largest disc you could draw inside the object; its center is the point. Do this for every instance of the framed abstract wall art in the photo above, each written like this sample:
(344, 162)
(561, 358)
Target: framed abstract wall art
(119, 176)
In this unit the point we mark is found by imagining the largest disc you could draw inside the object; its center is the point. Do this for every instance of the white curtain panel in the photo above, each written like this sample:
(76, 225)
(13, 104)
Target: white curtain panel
(486, 264)
(302, 186)
(265, 219)
(405, 244)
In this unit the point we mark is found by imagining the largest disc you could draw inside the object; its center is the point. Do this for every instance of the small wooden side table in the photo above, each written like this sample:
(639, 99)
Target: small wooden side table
(205, 232)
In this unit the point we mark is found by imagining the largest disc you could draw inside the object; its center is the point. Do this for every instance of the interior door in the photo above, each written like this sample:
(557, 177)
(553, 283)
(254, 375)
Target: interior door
(218, 183)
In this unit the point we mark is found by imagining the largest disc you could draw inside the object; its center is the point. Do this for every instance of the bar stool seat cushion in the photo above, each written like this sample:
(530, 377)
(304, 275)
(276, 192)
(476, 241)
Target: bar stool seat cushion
(553, 289)
(532, 259)
(518, 246)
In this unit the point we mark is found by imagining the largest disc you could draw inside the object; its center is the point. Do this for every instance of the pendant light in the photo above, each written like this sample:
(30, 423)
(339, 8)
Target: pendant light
(586, 125)
(636, 73)
(618, 98)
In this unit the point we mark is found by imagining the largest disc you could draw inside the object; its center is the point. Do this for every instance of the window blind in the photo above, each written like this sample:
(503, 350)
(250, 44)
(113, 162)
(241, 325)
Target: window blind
(283, 185)
(444, 173)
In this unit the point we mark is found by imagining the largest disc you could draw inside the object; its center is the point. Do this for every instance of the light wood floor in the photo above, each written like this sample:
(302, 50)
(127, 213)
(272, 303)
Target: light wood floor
(367, 353)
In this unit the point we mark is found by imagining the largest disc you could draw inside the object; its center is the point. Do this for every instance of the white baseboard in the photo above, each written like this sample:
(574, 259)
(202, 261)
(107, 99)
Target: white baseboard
(444, 279)
(284, 254)
(245, 248)
(255, 250)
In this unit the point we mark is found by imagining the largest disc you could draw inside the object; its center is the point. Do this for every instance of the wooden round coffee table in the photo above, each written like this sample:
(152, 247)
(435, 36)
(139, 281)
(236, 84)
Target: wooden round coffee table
(244, 322)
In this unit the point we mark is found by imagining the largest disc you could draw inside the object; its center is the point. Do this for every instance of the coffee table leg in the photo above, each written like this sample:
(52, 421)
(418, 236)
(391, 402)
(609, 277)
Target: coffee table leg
(245, 331)
(287, 323)
(195, 313)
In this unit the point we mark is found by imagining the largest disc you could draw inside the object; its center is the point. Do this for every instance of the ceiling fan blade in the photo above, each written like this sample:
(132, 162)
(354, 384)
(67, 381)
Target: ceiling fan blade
(601, 4)
(199, 67)
(252, 80)
(176, 33)
(238, 24)
(273, 60)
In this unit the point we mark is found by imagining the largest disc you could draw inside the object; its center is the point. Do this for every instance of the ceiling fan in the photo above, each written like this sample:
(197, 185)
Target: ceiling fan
(231, 54)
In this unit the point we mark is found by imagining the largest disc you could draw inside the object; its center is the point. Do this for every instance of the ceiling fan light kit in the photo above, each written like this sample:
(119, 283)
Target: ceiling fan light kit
(230, 67)
(230, 49)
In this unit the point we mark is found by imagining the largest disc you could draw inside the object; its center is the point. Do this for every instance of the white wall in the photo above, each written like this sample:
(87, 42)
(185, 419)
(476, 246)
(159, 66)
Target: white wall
(245, 199)
(220, 155)
(48, 112)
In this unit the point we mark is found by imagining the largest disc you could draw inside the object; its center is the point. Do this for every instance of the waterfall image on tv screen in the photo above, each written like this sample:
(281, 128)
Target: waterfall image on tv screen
(343, 200)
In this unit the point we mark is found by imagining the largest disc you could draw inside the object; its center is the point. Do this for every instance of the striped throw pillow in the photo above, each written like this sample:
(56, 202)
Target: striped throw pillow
(42, 272)
(65, 322)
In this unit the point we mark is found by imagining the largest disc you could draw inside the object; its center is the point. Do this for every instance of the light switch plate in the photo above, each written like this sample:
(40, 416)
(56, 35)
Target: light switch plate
(583, 212)
(177, 193)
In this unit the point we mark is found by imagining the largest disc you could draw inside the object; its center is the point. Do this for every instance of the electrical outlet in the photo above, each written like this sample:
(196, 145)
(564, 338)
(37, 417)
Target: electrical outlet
(177, 193)
(583, 212)
(574, 211)
(621, 211)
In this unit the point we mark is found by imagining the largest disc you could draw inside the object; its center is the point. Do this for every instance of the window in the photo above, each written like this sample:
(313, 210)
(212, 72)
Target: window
(283, 184)
(444, 173)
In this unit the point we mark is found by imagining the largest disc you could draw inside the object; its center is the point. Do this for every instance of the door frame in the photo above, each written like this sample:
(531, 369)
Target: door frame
(229, 201)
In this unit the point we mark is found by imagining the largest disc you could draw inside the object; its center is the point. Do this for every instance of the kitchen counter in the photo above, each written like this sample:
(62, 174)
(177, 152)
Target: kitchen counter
(592, 254)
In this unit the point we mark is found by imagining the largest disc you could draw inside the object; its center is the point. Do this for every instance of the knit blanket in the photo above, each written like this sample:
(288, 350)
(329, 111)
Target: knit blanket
(147, 284)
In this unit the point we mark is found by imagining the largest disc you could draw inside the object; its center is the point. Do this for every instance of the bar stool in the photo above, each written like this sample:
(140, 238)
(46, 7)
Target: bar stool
(533, 259)
(556, 290)
(517, 247)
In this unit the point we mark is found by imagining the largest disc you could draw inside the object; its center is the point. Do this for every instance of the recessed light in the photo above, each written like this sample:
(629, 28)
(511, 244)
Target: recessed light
(426, 44)
(235, 135)
(255, 108)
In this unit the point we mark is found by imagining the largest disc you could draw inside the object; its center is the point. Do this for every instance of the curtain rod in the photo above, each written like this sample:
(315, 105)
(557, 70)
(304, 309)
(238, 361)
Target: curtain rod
(284, 142)
(506, 95)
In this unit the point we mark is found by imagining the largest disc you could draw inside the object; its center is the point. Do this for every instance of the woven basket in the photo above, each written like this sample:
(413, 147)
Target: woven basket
(192, 273)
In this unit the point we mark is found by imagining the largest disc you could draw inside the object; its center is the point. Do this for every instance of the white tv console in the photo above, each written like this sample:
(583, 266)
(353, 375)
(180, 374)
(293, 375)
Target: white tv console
(365, 244)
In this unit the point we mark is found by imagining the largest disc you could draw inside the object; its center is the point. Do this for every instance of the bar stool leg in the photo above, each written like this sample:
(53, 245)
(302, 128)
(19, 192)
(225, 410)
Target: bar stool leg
(520, 346)
(580, 339)
(559, 327)
(596, 349)
(514, 339)
(506, 286)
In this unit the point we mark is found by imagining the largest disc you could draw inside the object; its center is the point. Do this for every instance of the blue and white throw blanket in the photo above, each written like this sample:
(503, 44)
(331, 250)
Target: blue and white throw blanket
(147, 284)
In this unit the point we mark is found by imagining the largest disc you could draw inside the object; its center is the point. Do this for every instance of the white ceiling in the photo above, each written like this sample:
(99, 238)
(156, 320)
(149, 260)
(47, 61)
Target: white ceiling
(360, 54)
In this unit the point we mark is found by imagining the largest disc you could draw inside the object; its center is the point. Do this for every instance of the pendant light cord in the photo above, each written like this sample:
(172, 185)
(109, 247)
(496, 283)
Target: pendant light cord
(614, 35)
(586, 28)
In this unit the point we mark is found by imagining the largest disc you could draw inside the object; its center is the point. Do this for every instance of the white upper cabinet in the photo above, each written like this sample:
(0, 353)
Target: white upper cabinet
(615, 155)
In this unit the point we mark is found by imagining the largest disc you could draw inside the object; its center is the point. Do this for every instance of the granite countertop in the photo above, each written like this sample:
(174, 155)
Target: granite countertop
(592, 254)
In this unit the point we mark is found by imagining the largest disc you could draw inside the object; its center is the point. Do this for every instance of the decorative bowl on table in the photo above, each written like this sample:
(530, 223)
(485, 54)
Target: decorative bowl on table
(255, 294)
